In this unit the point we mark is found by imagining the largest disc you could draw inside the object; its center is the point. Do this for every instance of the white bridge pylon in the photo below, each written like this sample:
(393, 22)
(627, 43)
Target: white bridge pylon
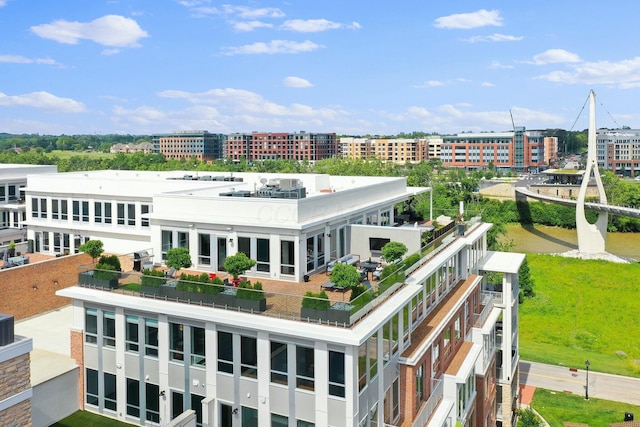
(591, 237)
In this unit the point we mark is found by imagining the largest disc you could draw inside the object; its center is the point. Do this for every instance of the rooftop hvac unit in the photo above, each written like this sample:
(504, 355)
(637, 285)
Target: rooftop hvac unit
(6, 330)
(288, 183)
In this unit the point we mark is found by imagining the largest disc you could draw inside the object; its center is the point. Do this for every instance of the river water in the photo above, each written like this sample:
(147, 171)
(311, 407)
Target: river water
(541, 239)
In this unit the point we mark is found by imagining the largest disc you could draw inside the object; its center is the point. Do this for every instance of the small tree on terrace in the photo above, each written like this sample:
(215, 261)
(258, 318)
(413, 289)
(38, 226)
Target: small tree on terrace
(238, 264)
(394, 251)
(178, 258)
(93, 248)
(345, 276)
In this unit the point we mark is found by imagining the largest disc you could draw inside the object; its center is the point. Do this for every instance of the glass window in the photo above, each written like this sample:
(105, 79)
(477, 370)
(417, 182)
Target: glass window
(107, 212)
(304, 368)
(120, 213)
(279, 366)
(76, 210)
(85, 211)
(97, 212)
(64, 212)
(110, 396)
(372, 355)
(196, 405)
(262, 258)
(34, 207)
(91, 325)
(167, 242)
(176, 342)
(301, 423)
(225, 352)
(144, 210)
(153, 403)
(131, 214)
(197, 346)
(133, 397)
(204, 249)
(151, 337)
(132, 340)
(183, 239)
(43, 208)
(248, 357)
(336, 374)
(92, 387)
(279, 420)
(287, 257)
(177, 403)
(244, 245)
(109, 329)
(249, 417)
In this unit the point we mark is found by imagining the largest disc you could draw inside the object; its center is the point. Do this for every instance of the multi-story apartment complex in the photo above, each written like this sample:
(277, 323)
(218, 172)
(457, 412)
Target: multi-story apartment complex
(618, 150)
(519, 150)
(13, 180)
(199, 144)
(438, 349)
(281, 145)
(397, 150)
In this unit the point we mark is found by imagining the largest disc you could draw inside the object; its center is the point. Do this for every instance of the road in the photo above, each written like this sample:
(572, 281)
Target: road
(559, 378)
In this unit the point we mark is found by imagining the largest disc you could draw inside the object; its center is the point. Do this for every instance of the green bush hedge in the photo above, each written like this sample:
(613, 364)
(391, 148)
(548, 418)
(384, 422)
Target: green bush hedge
(105, 272)
(317, 301)
(111, 260)
(152, 278)
(199, 283)
(250, 292)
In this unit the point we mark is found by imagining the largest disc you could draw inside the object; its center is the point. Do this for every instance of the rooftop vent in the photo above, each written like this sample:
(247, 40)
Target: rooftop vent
(6, 330)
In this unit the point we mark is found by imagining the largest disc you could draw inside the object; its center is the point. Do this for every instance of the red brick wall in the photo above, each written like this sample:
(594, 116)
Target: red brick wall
(21, 300)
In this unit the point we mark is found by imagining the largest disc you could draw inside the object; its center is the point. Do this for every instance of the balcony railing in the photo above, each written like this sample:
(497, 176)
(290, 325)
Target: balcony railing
(430, 405)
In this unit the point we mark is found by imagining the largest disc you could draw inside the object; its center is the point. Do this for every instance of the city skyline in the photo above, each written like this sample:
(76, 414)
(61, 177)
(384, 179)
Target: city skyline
(353, 69)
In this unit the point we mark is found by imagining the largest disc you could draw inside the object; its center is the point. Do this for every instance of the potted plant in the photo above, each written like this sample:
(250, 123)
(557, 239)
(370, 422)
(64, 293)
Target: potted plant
(198, 288)
(315, 306)
(251, 297)
(178, 258)
(12, 249)
(151, 281)
(93, 248)
(104, 276)
(237, 264)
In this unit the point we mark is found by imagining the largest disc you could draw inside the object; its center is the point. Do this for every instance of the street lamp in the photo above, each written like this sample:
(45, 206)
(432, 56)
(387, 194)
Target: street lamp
(586, 390)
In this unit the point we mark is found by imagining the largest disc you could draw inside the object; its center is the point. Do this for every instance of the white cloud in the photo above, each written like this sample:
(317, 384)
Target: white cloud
(245, 12)
(109, 52)
(496, 37)
(109, 30)
(480, 18)
(18, 59)
(487, 84)
(247, 26)
(553, 56)
(3, 3)
(42, 100)
(292, 81)
(430, 83)
(497, 64)
(315, 25)
(272, 47)
(625, 74)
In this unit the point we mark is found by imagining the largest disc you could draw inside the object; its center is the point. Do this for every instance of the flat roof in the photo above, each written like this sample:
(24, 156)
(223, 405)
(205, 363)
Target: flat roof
(502, 262)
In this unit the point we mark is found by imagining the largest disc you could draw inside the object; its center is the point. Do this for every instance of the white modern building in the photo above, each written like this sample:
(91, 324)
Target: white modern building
(618, 150)
(13, 180)
(292, 225)
(439, 349)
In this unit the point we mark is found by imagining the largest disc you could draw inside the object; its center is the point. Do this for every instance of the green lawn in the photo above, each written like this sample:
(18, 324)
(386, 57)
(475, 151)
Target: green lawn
(66, 154)
(583, 310)
(85, 419)
(558, 407)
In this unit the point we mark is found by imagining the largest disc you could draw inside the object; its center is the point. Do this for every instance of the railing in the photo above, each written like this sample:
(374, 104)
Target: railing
(430, 405)
(488, 300)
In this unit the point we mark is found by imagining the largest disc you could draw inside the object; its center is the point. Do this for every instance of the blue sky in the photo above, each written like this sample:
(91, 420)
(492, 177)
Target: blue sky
(351, 66)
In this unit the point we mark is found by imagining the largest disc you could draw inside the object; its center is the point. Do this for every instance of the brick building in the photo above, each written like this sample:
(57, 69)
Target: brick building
(281, 145)
(199, 144)
(15, 376)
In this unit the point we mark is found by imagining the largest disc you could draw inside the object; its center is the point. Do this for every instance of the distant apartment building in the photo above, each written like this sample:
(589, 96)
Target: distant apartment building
(143, 147)
(397, 150)
(618, 150)
(281, 145)
(199, 144)
(518, 150)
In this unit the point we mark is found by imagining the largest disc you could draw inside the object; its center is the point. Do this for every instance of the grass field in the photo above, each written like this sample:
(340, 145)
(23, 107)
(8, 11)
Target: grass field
(558, 407)
(583, 310)
(86, 419)
(67, 154)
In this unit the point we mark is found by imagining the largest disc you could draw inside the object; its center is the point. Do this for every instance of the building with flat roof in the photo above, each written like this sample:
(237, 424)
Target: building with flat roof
(13, 180)
(291, 224)
(437, 348)
(198, 144)
(518, 150)
(15, 376)
(396, 150)
(618, 150)
(299, 146)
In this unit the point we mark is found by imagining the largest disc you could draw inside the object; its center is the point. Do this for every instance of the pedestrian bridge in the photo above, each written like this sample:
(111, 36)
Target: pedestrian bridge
(612, 209)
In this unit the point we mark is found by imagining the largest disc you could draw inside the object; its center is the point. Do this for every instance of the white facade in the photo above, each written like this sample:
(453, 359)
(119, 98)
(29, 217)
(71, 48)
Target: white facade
(148, 359)
(13, 180)
(132, 211)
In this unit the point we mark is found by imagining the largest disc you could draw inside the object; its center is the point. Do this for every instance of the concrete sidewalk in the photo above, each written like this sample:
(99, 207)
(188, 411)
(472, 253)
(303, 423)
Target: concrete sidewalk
(604, 386)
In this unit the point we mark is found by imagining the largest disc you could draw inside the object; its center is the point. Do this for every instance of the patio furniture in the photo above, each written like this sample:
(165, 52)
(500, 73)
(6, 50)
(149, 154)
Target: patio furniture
(170, 272)
(329, 286)
(350, 259)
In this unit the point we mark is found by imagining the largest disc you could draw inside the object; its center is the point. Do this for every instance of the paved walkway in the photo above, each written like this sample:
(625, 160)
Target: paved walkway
(604, 386)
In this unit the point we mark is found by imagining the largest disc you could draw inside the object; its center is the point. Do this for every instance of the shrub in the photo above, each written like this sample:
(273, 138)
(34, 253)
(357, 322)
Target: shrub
(111, 260)
(152, 278)
(249, 292)
(317, 301)
(237, 264)
(199, 283)
(393, 251)
(410, 260)
(105, 272)
(93, 248)
(178, 258)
